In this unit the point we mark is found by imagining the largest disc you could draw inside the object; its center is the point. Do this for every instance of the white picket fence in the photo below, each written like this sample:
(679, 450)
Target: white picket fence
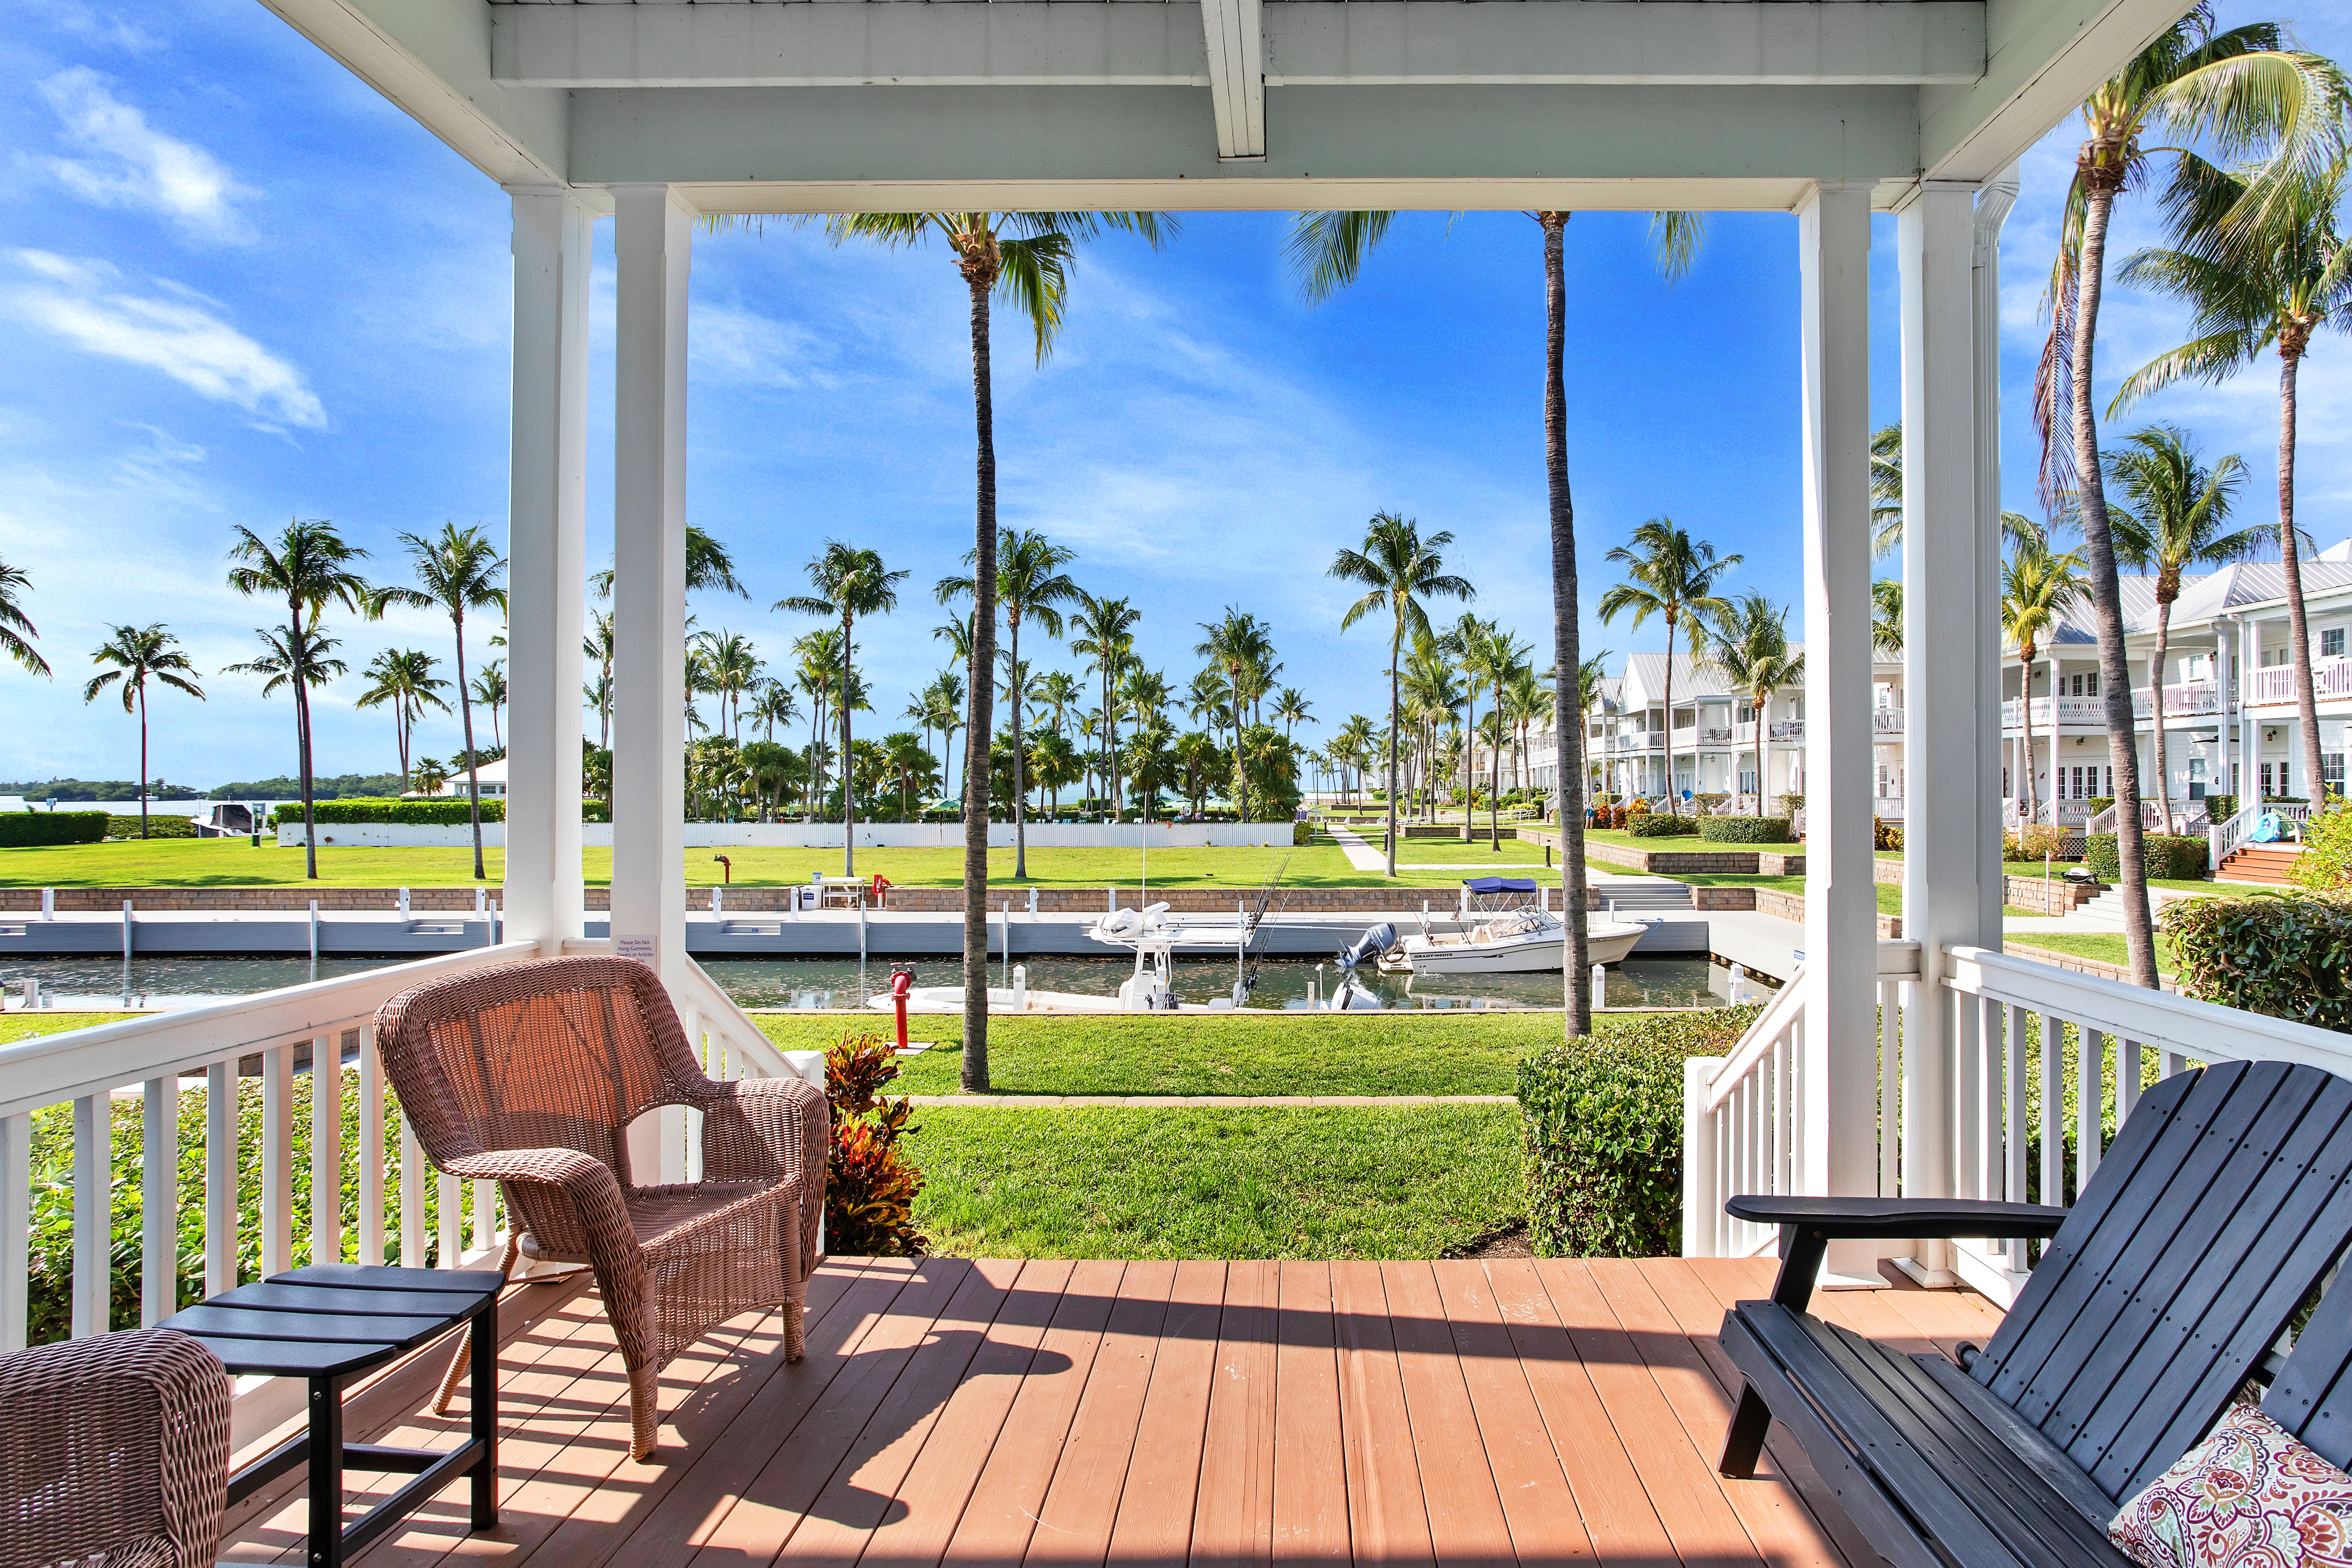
(2024, 1122)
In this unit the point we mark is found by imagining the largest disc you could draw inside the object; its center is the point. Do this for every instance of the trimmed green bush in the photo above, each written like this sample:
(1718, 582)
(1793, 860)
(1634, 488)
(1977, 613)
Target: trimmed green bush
(1660, 825)
(441, 811)
(1745, 829)
(2169, 858)
(2220, 808)
(2326, 864)
(2286, 957)
(31, 829)
(160, 825)
(1601, 1119)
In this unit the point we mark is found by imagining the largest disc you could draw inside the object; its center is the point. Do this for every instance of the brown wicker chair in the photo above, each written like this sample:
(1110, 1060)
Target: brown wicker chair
(529, 1073)
(117, 1451)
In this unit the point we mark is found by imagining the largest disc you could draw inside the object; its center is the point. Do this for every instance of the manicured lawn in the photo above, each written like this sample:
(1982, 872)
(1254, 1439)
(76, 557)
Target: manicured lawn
(1453, 852)
(1890, 897)
(26, 1026)
(1108, 1182)
(2106, 947)
(1446, 1053)
(232, 862)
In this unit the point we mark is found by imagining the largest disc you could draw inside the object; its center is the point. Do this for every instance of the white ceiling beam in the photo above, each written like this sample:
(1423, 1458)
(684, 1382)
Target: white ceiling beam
(1036, 43)
(1235, 36)
(2044, 58)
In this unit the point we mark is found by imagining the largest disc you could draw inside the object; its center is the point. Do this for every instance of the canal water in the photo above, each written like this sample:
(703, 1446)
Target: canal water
(1671, 982)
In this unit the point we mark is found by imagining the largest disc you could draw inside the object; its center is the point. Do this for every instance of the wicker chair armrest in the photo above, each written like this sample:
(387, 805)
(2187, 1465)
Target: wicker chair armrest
(116, 1443)
(594, 1193)
(771, 1129)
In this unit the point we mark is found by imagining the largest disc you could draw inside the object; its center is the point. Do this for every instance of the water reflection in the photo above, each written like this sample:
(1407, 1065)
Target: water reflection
(1639, 982)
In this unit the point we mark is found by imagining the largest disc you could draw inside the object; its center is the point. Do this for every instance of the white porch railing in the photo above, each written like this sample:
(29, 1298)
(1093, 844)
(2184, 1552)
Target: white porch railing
(2330, 679)
(2151, 820)
(2179, 701)
(2045, 1064)
(2226, 839)
(272, 1194)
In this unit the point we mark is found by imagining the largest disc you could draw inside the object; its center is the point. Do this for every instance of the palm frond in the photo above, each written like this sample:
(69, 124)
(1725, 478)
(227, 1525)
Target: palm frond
(1675, 239)
(1033, 276)
(1325, 251)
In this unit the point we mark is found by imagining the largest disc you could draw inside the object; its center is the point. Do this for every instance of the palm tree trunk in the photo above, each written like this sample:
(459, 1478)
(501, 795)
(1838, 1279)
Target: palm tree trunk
(302, 761)
(1494, 791)
(1470, 772)
(848, 795)
(1568, 786)
(979, 719)
(473, 763)
(142, 759)
(2307, 701)
(2025, 709)
(2156, 709)
(1396, 650)
(1020, 782)
(1674, 805)
(2106, 596)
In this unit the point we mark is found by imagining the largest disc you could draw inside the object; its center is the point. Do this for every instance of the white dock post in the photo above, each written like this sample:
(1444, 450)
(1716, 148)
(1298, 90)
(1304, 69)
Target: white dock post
(126, 932)
(481, 900)
(403, 903)
(1033, 903)
(716, 901)
(1110, 899)
(314, 938)
(48, 903)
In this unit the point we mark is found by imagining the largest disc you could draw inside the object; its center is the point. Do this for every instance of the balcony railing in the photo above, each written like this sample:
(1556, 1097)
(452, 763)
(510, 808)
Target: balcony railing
(1989, 1108)
(2274, 683)
(2179, 701)
(2084, 712)
(212, 1054)
(1886, 721)
(1787, 729)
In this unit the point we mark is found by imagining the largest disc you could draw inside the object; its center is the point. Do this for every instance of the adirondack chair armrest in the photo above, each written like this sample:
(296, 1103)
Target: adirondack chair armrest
(1808, 1224)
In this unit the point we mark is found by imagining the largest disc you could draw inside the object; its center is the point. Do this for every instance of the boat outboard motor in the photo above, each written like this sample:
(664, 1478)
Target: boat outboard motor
(1369, 947)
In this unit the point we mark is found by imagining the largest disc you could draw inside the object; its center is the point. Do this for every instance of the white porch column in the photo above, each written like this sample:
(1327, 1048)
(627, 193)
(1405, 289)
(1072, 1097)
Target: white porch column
(1944, 871)
(1838, 1116)
(2250, 726)
(652, 243)
(547, 564)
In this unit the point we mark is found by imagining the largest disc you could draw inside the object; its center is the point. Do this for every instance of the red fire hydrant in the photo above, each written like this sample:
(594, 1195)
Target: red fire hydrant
(881, 886)
(901, 982)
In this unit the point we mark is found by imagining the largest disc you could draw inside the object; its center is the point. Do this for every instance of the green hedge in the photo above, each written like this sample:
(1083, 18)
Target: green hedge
(2290, 958)
(28, 830)
(160, 825)
(2169, 858)
(1745, 829)
(1661, 825)
(1603, 1124)
(441, 811)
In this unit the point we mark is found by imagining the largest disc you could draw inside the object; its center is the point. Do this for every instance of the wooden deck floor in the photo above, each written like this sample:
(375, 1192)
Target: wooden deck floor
(991, 1414)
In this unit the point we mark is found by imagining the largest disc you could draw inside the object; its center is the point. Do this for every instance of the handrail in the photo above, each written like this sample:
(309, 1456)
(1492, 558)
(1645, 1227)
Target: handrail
(1787, 1004)
(48, 1070)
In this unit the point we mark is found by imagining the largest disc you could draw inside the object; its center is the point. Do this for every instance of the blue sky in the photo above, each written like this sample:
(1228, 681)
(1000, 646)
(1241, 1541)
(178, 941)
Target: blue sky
(238, 287)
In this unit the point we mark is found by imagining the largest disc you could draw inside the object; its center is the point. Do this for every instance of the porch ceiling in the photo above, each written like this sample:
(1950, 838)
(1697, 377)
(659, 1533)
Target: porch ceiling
(867, 104)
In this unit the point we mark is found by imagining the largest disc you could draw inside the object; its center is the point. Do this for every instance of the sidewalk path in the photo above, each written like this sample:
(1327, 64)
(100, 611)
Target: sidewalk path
(1198, 1101)
(1360, 855)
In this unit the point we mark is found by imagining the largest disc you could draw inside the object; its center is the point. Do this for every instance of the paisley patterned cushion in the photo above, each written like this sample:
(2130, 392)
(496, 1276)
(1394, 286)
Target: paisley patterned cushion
(2249, 1496)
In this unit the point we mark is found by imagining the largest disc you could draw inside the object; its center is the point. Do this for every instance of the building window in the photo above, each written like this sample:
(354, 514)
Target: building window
(2331, 770)
(2331, 643)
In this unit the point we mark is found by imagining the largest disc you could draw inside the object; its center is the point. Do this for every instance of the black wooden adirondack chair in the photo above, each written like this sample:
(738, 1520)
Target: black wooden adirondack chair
(2219, 1206)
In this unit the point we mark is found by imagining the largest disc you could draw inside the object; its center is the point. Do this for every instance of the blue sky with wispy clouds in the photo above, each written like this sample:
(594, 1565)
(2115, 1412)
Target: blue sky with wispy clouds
(236, 285)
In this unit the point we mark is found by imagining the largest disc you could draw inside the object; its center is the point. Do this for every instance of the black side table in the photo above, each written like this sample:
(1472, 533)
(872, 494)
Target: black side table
(328, 1325)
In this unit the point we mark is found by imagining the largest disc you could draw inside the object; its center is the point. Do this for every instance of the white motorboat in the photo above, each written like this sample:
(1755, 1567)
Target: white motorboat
(1507, 938)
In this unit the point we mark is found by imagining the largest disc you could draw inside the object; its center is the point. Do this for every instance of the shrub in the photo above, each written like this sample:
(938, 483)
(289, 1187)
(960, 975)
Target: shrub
(870, 1185)
(165, 826)
(28, 830)
(2288, 957)
(1661, 825)
(1886, 835)
(2220, 808)
(2099, 803)
(1302, 832)
(1745, 829)
(595, 811)
(2033, 843)
(1602, 1123)
(2325, 863)
(1792, 804)
(440, 811)
(2169, 858)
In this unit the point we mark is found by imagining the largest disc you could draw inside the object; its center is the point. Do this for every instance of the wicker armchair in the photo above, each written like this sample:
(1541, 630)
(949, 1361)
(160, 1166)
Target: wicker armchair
(117, 1451)
(529, 1073)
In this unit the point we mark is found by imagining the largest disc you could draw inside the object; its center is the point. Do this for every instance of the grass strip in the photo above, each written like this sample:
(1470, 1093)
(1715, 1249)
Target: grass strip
(1320, 1183)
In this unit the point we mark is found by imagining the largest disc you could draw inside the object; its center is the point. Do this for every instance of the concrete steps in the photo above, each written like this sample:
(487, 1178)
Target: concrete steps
(2106, 913)
(2271, 864)
(1642, 894)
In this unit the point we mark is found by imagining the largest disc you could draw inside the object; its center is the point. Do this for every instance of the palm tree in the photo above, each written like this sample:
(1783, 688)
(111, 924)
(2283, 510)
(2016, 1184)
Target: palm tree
(1029, 583)
(1024, 256)
(2273, 282)
(816, 663)
(1886, 617)
(490, 691)
(776, 704)
(309, 566)
(17, 632)
(431, 774)
(457, 570)
(731, 668)
(600, 646)
(2238, 91)
(1236, 644)
(1674, 578)
(141, 653)
(1105, 640)
(1748, 646)
(850, 581)
(1059, 690)
(1398, 568)
(2037, 587)
(402, 679)
(1292, 708)
(2175, 520)
(1589, 676)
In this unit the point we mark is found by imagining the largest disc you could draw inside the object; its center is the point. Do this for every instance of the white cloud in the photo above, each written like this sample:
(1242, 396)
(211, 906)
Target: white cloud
(126, 162)
(112, 29)
(82, 304)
